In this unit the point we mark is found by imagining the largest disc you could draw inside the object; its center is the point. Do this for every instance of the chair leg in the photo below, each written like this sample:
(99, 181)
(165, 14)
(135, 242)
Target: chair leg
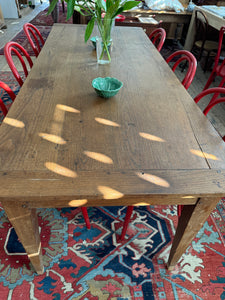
(217, 94)
(210, 80)
(206, 62)
(126, 222)
(86, 218)
(179, 210)
(63, 5)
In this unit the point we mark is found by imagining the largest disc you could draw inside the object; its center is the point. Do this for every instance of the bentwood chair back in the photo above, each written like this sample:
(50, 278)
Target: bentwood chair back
(34, 37)
(217, 91)
(218, 69)
(158, 37)
(7, 89)
(184, 57)
(15, 48)
(201, 41)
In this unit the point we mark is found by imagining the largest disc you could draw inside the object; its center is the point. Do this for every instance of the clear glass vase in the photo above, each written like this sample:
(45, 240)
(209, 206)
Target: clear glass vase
(104, 41)
(103, 50)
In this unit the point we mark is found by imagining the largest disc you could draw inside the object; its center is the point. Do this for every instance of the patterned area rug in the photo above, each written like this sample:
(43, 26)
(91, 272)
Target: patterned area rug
(43, 20)
(8, 78)
(91, 264)
(21, 39)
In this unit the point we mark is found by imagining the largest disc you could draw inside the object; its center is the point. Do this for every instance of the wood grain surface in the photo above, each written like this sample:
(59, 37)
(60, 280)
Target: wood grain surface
(62, 145)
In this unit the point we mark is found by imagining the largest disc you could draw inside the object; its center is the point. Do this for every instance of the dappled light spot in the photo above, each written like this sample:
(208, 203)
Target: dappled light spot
(107, 122)
(109, 193)
(99, 157)
(151, 137)
(153, 179)
(204, 154)
(52, 138)
(141, 204)
(188, 197)
(58, 119)
(78, 202)
(67, 108)
(60, 170)
(14, 122)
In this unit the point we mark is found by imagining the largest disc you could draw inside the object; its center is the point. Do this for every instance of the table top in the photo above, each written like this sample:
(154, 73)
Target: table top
(214, 15)
(218, 10)
(61, 142)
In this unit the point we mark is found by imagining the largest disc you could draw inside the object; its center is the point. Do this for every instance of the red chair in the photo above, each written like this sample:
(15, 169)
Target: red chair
(7, 89)
(17, 49)
(34, 37)
(216, 91)
(86, 218)
(185, 57)
(158, 37)
(218, 70)
(218, 99)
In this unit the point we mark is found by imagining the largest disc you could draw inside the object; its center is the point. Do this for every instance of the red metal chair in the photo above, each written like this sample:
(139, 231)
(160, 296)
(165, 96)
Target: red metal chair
(218, 69)
(158, 37)
(34, 37)
(218, 99)
(216, 91)
(185, 57)
(86, 218)
(7, 89)
(17, 49)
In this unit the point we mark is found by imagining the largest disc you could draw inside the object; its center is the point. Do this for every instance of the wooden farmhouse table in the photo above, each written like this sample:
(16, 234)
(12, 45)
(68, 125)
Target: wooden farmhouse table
(63, 146)
(214, 20)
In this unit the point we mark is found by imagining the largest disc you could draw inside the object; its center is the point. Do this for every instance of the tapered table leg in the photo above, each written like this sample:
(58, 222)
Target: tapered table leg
(25, 222)
(190, 222)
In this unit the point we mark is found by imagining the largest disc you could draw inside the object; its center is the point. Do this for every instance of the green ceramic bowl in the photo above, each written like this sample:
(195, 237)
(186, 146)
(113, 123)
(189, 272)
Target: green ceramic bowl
(106, 87)
(93, 40)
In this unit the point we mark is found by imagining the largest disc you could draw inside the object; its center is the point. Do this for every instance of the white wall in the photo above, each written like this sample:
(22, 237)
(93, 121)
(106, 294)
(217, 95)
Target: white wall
(9, 9)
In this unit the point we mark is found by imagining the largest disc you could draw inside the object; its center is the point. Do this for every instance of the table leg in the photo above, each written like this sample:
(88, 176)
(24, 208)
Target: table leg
(190, 34)
(190, 222)
(25, 222)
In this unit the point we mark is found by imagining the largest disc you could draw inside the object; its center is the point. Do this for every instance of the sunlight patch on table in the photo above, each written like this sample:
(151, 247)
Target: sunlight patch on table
(204, 154)
(99, 157)
(60, 170)
(109, 193)
(67, 108)
(14, 122)
(58, 119)
(52, 138)
(107, 122)
(153, 179)
(151, 137)
(78, 202)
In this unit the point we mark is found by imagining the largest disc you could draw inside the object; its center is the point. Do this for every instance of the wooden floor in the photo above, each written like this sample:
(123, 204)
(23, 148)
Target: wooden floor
(216, 116)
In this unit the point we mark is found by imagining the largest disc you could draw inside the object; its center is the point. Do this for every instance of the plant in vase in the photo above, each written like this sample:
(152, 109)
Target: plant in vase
(100, 11)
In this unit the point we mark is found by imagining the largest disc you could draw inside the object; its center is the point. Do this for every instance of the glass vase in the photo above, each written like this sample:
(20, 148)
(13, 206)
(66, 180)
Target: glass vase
(103, 51)
(104, 41)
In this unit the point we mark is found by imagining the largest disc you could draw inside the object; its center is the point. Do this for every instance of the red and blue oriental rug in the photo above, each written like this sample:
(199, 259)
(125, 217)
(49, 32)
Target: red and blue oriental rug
(8, 78)
(93, 265)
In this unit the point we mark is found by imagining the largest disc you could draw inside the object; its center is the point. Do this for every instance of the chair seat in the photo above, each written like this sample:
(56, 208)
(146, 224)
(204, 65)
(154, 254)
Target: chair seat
(208, 46)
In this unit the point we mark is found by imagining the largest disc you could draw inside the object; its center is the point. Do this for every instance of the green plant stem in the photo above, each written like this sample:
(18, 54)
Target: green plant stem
(104, 41)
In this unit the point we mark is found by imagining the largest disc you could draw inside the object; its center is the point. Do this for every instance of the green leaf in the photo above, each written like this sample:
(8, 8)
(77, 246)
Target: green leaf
(130, 4)
(52, 6)
(119, 11)
(99, 4)
(108, 4)
(89, 29)
(70, 9)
